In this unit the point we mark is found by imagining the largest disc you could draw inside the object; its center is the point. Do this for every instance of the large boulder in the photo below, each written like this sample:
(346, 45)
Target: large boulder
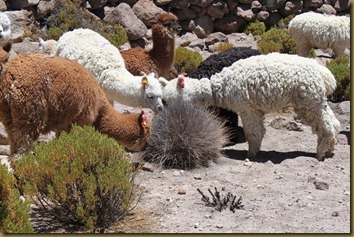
(146, 11)
(124, 15)
(20, 4)
(22, 23)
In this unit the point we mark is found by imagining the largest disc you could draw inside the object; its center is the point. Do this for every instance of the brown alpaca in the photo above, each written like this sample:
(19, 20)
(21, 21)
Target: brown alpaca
(160, 59)
(39, 94)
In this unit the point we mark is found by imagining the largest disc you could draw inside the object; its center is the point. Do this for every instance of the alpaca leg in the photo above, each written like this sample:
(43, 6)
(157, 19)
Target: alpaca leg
(324, 123)
(253, 127)
(303, 49)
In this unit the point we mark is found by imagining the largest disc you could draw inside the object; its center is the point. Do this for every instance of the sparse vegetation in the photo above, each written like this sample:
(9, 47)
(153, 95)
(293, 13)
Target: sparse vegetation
(187, 60)
(69, 15)
(81, 178)
(14, 217)
(277, 40)
(341, 71)
(185, 137)
(223, 46)
(255, 28)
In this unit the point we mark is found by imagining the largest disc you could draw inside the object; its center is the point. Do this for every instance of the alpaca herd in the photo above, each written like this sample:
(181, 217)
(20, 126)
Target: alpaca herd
(84, 73)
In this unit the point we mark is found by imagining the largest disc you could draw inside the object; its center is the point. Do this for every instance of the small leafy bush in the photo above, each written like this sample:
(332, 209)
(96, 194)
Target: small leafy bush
(223, 46)
(14, 217)
(187, 60)
(340, 69)
(81, 178)
(277, 40)
(255, 28)
(68, 15)
(284, 22)
(185, 137)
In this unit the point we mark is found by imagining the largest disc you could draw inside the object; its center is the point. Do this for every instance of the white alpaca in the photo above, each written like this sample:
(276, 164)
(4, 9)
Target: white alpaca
(5, 29)
(104, 60)
(265, 83)
(49, 46)
(322, 31)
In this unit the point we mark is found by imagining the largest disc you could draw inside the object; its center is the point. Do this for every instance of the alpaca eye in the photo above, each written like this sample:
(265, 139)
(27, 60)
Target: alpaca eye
(150, 96)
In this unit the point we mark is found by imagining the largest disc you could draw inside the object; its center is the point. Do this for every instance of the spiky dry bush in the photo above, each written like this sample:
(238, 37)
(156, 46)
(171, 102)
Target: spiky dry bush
(185, 137)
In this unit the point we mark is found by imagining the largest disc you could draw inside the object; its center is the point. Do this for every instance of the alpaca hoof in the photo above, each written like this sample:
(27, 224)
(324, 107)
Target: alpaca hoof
(251, 155)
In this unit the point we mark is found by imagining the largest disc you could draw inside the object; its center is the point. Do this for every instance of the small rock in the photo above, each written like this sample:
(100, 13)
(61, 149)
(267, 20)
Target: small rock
(181, 191)
(197, 177)
(321, 185)
(176, 173)
(196, 225)
(335, 214)
(219, 226)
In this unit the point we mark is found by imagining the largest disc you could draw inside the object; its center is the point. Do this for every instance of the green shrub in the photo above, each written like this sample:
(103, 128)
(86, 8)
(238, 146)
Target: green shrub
(255, 28)
(340, 69)
(81, 178)
(284, 22)
(14, 217)
(223, 46)
(187, 60)
(185, 137)
(276, 40)
(68, 15)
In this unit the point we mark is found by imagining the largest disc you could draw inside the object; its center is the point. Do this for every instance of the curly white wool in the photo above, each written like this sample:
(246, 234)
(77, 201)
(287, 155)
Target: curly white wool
(104, 60)
(267, 83)
(312, 29)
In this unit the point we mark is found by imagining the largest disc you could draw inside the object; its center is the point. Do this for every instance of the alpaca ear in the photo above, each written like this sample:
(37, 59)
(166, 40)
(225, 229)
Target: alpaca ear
(7, 47)
(41, 42)
(144, 81)
(163, 81)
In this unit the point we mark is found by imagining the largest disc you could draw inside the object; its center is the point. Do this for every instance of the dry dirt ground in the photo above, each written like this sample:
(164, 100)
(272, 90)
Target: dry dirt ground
(284, 190)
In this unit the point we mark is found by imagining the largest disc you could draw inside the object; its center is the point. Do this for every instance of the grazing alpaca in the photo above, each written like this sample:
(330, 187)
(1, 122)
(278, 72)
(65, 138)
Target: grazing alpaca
(214, 64)
(39, 94)
(312, 29)
(160, 59)
(104, 60)
(49, 46)
(5, 29)
(263, 84)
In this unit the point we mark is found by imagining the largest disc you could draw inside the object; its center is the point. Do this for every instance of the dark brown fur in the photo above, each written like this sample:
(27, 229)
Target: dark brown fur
(39, 94)
(160, 59)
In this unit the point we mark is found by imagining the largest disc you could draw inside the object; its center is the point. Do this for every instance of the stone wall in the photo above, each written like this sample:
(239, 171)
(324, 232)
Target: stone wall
(201, 17)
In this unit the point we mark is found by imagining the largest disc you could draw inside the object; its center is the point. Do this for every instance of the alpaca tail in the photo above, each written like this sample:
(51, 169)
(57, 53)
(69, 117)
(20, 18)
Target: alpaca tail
(329, 81)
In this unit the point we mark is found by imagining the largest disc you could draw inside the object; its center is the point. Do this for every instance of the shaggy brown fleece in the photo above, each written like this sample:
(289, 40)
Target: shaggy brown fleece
(40, 94)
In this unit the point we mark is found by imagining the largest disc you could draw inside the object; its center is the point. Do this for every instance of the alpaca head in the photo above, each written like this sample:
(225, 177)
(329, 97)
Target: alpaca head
(48, 47)
(152, 92)
(167, 21)
(4, 57)
(5, 30)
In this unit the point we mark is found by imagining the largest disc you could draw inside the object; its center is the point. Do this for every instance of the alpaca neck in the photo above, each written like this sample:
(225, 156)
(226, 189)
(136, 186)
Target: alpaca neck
(163, 50)
(126, 90)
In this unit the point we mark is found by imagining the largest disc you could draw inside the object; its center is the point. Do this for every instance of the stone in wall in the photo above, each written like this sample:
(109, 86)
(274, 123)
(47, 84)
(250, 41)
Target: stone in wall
(22, 22)
(291, 7)
(202, 26)
(313, 3)
(20, 4)
(3, 6)
(124, 15)
(96, 4)
(244, 11)
(186, 14)
(229, 24)
(146, 11)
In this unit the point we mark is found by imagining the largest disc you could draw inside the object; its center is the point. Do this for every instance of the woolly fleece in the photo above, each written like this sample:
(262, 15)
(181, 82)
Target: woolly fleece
(312, 29)
(40, 94)
(5, 29)
(104, 60)
(267, 83)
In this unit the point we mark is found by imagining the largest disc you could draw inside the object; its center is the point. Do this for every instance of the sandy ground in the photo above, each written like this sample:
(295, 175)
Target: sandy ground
(284, 190)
